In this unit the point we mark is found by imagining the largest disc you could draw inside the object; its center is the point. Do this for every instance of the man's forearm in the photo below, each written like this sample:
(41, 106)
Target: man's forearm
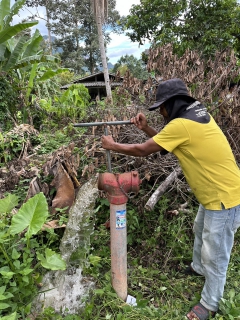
(136, 150)
(151, 132)
(129, 149)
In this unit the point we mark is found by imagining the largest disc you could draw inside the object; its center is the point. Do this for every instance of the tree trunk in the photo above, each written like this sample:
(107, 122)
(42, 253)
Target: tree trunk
(102, 50)
(48, 29)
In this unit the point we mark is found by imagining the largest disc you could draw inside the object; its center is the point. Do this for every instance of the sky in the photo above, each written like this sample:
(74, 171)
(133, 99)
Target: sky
(120, 44)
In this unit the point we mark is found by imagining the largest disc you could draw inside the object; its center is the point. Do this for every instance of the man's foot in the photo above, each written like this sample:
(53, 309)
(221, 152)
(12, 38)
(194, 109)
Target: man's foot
(199, 312)
(190, 272)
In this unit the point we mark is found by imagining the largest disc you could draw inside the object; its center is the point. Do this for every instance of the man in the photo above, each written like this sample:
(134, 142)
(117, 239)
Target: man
(208, 164)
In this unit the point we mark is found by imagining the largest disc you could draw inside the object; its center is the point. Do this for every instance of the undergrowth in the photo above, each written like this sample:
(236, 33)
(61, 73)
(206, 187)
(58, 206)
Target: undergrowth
(159, 248)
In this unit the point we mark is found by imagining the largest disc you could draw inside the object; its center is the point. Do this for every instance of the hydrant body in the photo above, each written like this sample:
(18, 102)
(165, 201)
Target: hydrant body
(117, 186)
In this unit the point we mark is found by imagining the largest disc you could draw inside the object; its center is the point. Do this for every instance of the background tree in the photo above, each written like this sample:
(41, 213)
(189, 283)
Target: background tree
(135, 66)
(49, 6)
(100, 13)
(198, 25)
(75, 31)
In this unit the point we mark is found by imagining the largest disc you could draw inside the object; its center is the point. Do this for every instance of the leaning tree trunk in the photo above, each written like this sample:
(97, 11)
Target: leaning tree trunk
(99, 13)
(49, 29)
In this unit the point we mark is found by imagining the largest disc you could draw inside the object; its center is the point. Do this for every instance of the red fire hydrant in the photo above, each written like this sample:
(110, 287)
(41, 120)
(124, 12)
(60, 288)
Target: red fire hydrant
(117, 186)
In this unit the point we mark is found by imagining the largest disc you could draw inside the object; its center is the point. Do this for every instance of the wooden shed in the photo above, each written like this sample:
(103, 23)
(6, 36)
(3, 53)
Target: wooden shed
(96, 84)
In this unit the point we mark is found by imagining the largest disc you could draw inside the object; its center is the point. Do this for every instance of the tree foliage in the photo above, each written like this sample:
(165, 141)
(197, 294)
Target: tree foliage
(198, 25)
(75, 28)
(135, 66)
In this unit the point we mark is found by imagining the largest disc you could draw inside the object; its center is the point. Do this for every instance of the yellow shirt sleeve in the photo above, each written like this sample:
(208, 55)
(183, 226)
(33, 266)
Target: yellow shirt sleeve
(173, 135)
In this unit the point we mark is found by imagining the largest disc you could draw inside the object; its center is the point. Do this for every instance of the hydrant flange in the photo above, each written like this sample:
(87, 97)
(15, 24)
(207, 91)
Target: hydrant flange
(118, 185)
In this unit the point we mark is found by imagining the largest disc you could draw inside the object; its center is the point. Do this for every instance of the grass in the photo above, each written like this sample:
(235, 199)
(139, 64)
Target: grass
(160, 247)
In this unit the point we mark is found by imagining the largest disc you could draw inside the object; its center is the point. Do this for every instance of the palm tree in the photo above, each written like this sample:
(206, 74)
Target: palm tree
(101, 11)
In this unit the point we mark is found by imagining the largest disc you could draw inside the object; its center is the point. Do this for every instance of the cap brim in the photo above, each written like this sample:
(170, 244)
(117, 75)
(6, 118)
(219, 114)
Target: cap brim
(155, 105)
(158, 103)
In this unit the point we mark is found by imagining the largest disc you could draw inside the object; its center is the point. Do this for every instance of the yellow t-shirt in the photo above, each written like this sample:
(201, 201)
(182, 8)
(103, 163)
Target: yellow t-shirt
(206, 159)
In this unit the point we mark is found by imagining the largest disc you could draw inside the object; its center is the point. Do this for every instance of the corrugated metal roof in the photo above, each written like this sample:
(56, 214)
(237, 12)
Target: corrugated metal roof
(95, 74)
(95, 84)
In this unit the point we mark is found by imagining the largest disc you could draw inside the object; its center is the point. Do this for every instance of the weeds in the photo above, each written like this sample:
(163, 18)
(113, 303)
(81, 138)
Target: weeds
(22, 258)
(159, 247)
(52, 143)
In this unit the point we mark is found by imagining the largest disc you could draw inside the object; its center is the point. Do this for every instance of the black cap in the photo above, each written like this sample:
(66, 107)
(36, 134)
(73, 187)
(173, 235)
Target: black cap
(168, 89)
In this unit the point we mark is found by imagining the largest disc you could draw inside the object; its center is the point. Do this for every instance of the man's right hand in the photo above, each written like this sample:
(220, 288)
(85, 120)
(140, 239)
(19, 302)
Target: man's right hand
(140, 121)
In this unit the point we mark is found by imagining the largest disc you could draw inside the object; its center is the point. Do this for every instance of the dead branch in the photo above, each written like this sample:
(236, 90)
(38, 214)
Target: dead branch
(161, 189)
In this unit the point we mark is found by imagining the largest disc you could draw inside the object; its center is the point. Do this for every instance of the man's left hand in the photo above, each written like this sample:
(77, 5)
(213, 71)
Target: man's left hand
(107, 142)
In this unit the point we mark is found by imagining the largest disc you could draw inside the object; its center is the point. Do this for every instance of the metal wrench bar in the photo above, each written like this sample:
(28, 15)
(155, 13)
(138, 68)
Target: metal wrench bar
(92, 124)
(108, 153)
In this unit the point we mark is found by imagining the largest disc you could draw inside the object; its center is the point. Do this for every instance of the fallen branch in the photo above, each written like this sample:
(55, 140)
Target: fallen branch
(161, 189)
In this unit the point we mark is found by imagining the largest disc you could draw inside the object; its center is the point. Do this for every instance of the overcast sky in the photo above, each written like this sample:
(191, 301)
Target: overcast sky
(120, 44)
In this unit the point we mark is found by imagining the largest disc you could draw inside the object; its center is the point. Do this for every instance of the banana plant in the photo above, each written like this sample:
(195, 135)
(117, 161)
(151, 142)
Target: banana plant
(7, 31)
(18, 51)
(21, 54)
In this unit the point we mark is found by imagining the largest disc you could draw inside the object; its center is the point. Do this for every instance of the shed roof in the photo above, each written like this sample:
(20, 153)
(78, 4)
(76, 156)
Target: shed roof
(96, 80)
(94, 75)
(95, 84)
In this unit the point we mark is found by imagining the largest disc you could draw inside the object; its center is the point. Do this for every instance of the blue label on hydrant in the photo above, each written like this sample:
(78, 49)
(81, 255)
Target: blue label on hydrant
(120, 219)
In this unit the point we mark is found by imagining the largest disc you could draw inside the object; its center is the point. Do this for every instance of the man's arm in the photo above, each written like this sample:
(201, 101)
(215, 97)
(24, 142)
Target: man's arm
(136, 150)
(151, 132)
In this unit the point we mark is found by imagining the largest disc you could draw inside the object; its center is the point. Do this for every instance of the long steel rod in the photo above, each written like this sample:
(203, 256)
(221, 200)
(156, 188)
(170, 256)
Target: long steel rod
(108, 153)
(90, 124)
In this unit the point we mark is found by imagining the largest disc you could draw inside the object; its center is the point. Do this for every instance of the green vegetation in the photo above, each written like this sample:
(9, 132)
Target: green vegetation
(135, 66)
(75, 32)
(204, 26)
(36, 124)
(23, 259)
(159, 247)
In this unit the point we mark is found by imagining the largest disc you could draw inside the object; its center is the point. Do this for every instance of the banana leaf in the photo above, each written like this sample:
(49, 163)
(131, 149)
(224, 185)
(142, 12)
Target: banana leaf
(16, 53)
(4, 11)
(33, 45)
(51, 73)
(13, 10)
(10, 32)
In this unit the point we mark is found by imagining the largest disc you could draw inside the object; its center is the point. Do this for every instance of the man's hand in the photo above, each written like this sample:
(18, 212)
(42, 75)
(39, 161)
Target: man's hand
(140, 121)
(108, 142)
